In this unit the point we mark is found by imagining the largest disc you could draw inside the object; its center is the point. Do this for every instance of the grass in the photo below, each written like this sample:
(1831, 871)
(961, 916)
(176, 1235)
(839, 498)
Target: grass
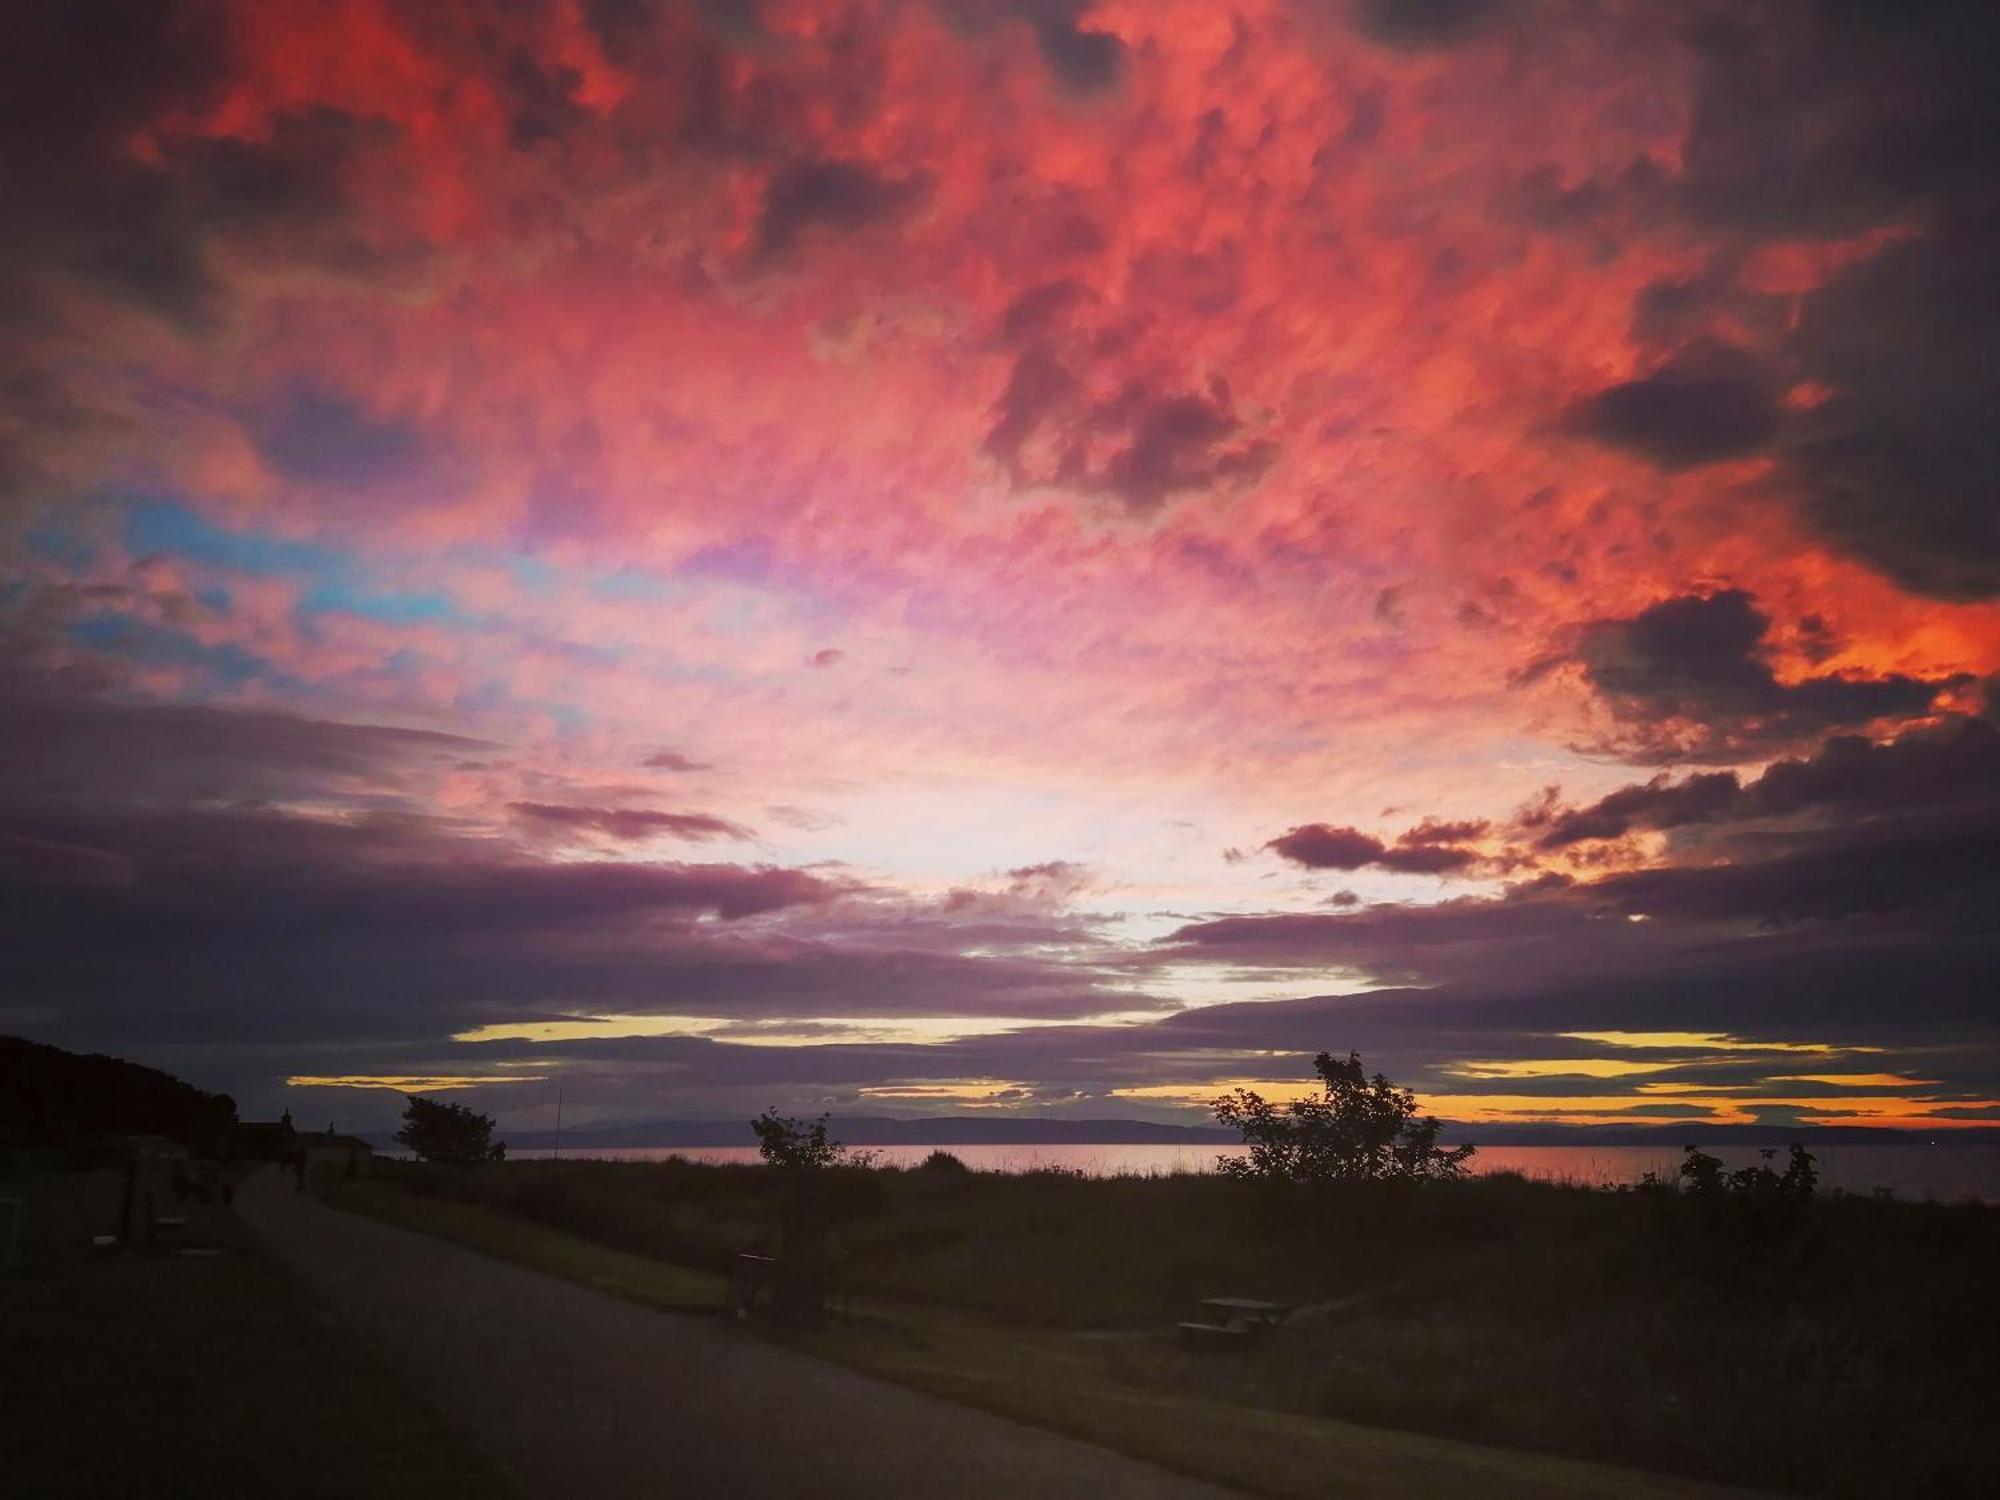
(1838, 1346)
(1085, 1387)
(155, 1373)
(636, 1278)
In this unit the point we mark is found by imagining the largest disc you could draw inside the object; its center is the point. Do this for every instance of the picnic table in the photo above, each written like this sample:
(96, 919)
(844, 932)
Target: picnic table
(752, 1282)
(1232, 1322)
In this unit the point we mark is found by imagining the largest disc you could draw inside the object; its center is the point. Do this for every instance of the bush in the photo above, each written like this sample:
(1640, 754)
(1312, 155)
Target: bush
(1360, 1129)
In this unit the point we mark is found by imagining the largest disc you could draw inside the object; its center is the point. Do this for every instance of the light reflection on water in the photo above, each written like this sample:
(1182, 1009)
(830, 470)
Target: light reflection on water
(1946, 1172)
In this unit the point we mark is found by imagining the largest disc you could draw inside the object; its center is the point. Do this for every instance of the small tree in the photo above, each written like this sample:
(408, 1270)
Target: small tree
(784, 1142)
(455, 1134)
(803, 1154)
(1359, 1129)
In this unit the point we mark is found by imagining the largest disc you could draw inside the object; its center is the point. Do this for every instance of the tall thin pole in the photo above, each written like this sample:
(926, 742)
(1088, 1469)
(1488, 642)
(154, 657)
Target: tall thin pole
(558, 1122)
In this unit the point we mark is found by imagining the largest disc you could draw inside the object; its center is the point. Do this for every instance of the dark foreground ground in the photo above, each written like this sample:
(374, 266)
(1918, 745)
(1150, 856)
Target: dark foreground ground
(580, 1394)
(154, 1375)
(1836, 1346)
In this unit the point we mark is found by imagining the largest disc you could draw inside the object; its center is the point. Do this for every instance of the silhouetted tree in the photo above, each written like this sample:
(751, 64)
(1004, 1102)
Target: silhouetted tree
(455, 1134)
(1359, 1129)
(804, 1154)
(784, 1142)
(1704, 1177)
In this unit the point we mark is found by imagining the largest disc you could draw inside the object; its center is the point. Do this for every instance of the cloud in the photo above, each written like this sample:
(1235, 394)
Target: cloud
(1695, 661)
(828, 194)
(1838, 121)
(1421, 25)
(57, 744)
(1137, 445)
(412, 416)
(1426, 850)
(630, 823)
(1954, 764)
(1899, 464)
(1083, 57)
(326, 438)
(672, 760)
(1697, 409)
(1657, 804)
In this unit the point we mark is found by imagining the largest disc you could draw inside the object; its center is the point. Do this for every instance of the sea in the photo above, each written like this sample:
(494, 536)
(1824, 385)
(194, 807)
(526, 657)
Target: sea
(1943, 1171)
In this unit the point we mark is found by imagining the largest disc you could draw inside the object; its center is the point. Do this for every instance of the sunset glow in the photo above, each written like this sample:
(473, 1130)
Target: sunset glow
(1058, 557)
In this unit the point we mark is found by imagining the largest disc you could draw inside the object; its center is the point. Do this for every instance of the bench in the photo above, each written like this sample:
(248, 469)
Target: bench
(752, 1284)
(1253, 1311)
(1216, 1335)
(1233, 1322)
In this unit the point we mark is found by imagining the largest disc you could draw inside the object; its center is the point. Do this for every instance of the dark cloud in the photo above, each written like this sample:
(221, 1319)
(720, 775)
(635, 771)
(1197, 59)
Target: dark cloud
(1140, 446)
(1039, 388)
(629, 823)
(1420, 25)
(1319, 846)
(1832, 119)
(1957, 762)
(1083, 58)
(1699, 408)
(56, 744)
(1695, 660)
(543, 103)
(1657, 804)
(1902, 464)
(75, 82)
(148, 896)
(1172, 449)
(672, 760)
(324, 437)
(1913, 882)
(1837, 120)
(77, 85)
(1954, 764)
(249, 923)
(1426, 850)
(1040, 309)
(828, 194)
(1435, 831)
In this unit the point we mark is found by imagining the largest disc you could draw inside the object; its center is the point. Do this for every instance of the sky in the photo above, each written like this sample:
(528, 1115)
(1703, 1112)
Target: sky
(1041, 556)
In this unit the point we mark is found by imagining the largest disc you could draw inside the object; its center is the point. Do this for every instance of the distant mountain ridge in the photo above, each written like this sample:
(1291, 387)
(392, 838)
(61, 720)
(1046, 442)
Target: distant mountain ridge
(983, 1130)
(874, 1130)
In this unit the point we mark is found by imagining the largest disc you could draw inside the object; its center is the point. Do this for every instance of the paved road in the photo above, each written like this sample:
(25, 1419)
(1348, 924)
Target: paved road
(589, 1398)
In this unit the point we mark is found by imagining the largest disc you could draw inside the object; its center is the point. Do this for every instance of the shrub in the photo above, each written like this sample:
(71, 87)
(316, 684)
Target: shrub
(1360, 1129)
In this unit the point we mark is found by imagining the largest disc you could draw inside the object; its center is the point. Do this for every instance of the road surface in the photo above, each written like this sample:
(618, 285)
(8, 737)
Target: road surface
(581, 1395)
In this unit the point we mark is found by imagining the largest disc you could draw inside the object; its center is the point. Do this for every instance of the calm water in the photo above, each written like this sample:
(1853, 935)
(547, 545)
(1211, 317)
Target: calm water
(1944, 1172)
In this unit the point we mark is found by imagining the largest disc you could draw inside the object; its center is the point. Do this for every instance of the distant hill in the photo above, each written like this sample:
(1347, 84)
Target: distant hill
(871, 1130)
(991, 1130)
(50, 1097)
(1676, 1136)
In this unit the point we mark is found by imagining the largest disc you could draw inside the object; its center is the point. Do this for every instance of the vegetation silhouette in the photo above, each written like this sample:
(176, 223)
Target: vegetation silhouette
(53, 1097)
(452, 1134)
(1359, 1129)
(804, 1155)
(1837, 1344)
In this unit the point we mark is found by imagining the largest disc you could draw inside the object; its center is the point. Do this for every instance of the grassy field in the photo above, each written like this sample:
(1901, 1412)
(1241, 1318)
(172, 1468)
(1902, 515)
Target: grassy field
(1839, 1347)
(139, 1373)
(1057, 1379)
